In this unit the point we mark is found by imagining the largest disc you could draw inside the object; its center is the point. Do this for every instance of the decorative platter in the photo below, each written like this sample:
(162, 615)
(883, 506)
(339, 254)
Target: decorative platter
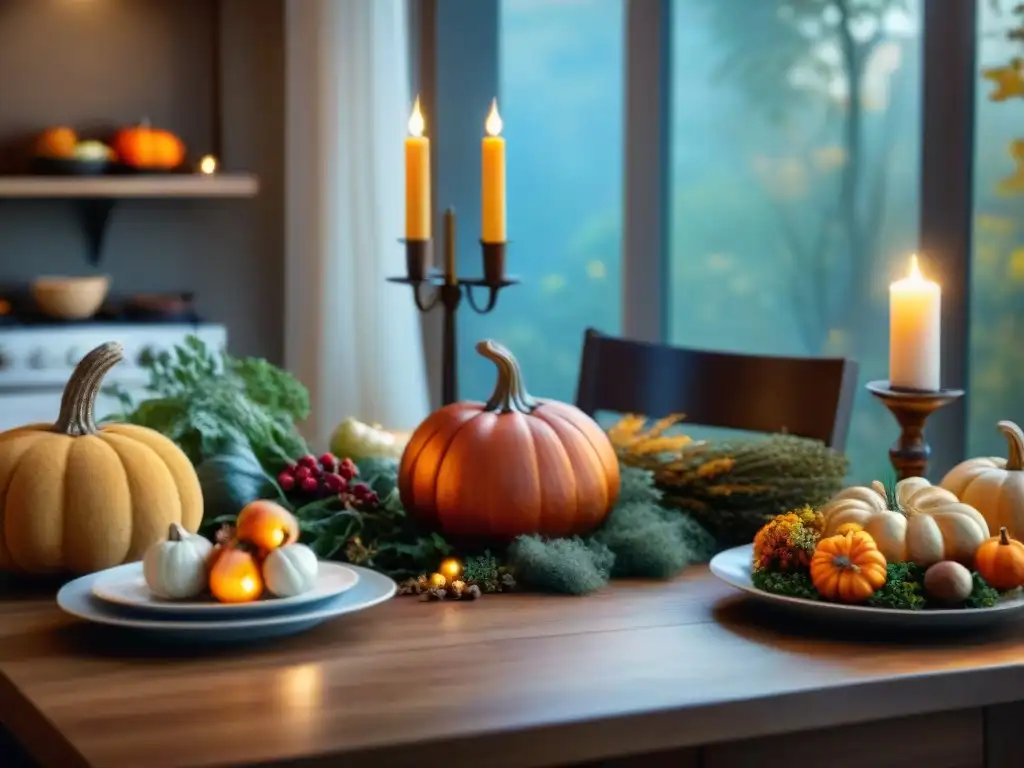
(77, 599)
(125, 586)
(733, 566)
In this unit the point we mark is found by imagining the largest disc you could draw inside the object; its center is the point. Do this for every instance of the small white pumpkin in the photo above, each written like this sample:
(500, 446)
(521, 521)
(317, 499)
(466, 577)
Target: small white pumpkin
(175, 569)
(923, 524)
(290, 570)
(994, 486)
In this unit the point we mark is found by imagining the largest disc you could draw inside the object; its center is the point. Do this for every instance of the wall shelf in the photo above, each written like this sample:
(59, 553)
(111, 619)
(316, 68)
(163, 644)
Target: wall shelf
(114, 187)
(96, 196)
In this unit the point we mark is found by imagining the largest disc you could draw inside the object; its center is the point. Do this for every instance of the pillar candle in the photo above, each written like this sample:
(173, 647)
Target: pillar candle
(493, 226)
(417, 178)
(915, 320)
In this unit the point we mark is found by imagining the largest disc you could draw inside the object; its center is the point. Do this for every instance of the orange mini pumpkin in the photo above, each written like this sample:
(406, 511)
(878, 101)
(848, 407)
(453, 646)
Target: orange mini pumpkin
(235, 576)
(848, 567)
(267, 525)
(1000, 561)
(58, 142)
(513, 465)
(145, 148)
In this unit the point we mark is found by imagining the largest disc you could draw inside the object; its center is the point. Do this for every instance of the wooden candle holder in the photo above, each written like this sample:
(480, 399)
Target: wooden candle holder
(911, 407)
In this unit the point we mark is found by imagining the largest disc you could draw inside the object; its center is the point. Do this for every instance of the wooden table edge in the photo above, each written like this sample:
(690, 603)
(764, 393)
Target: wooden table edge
(36, 734)
(639, 733)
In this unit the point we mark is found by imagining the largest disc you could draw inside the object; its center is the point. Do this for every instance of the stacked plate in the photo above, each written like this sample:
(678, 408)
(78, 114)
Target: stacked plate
(119, 597)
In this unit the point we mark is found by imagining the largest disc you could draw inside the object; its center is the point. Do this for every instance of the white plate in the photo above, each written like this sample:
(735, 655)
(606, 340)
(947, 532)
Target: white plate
(77, 599)
(733, 566)
(125, 585)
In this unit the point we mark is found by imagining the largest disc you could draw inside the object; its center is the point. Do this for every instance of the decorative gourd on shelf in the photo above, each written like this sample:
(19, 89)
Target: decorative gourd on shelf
(176, 569)
(148, 149)
(80, 498)
(56, 142)
(915, 521)
(848, 568)
(513, 465)
(994, 486)
(1000, 561)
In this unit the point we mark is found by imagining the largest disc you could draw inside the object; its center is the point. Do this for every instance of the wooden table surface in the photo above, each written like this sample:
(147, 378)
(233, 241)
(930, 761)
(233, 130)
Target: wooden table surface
(517, 680)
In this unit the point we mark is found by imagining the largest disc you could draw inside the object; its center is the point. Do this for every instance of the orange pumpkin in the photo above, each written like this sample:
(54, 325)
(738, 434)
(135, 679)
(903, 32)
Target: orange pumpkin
(267, 525)
(57, 142)
(848, 567)
(513, 465)
(146, 148)
(235, 575)
(1000, 561)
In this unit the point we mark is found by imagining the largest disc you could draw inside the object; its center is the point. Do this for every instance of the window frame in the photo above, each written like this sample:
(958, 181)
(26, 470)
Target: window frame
(456, 46)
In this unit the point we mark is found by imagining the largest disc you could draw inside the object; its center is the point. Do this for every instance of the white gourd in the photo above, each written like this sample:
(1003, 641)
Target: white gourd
(175, 569)
(923, 523)
(290, 570)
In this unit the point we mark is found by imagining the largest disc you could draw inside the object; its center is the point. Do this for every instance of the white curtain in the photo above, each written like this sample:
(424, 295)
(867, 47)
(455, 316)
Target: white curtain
(351, 337)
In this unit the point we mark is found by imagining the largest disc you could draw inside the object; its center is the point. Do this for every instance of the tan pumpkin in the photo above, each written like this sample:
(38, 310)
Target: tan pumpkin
(994, 486)
(80, 498)
(921, 523)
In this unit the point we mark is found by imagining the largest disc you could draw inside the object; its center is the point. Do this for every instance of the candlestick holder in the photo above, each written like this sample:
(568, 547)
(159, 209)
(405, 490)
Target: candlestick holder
(449, 290)
(911, 407)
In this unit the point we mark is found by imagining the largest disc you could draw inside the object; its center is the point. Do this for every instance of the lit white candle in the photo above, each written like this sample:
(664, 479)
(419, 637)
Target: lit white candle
(915, 320)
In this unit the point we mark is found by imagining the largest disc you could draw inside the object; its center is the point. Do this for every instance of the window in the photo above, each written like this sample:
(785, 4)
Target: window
(794, 202)
(803, 151)
(560, 95)
(997, 281)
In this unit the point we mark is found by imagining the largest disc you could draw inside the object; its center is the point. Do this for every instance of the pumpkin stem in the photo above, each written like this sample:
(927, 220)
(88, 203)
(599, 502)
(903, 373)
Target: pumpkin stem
(510, 395)
(176, 533)
(1015, 439)
(844, 562)
(79, 398)
(1004, 536)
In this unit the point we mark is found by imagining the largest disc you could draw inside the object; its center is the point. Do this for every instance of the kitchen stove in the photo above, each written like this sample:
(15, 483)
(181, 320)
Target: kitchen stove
(36, 360)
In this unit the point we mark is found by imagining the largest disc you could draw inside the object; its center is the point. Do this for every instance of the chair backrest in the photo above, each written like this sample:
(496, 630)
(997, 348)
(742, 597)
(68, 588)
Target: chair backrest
(803, 396)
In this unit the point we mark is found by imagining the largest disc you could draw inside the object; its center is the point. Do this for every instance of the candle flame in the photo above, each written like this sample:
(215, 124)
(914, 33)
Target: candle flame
(208, 164)
(915, 270)
(416, 122)
(493, 123)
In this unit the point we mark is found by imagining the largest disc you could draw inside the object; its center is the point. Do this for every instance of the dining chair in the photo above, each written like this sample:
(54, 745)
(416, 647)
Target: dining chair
(804, 396)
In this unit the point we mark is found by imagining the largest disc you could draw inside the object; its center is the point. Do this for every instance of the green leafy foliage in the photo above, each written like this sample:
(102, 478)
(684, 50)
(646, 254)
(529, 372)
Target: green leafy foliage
(790, 584)
(384, 537)
(982, 595)
(904, 588)
(209, 402)
(229, 481)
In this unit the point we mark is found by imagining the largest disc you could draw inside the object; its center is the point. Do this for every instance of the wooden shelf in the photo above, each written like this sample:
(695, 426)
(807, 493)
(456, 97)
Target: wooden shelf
(115, 187)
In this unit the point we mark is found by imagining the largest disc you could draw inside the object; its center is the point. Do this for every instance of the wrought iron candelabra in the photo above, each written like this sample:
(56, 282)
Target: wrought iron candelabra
(449, 289)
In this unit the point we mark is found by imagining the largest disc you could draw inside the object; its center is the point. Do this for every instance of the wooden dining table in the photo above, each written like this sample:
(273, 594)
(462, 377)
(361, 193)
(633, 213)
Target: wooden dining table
(684, 673)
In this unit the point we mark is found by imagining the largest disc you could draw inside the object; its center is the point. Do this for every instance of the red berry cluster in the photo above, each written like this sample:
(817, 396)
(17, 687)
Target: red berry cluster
(319, 478)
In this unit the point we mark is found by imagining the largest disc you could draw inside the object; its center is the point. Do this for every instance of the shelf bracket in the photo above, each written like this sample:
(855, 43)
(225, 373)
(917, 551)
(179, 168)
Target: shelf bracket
(94, 215)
